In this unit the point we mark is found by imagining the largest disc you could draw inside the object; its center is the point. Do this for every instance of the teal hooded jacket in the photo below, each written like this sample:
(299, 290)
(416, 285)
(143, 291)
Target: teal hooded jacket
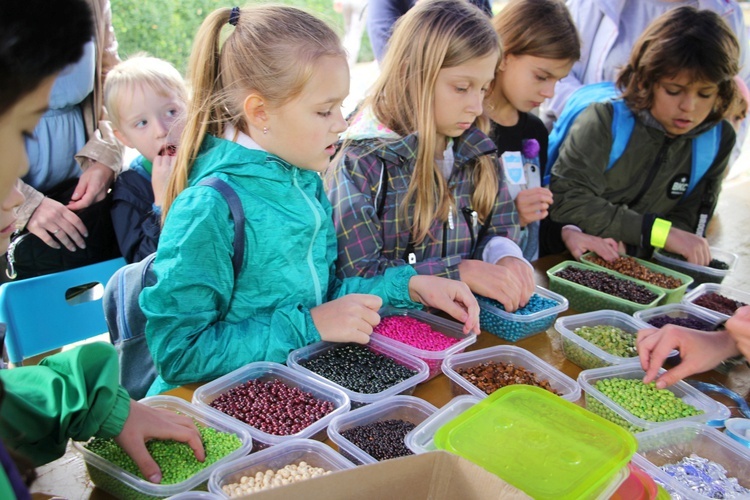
(201, 323)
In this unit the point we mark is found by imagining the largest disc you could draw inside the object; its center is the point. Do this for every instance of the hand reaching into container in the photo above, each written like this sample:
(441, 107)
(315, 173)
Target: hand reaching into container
(350, 318)
(738, 327)
(510, 281)
(145, 423)
(700, 352)
(451, 296)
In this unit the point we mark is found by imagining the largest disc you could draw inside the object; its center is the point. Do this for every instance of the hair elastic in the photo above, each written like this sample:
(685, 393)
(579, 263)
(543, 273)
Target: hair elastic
(234, 17)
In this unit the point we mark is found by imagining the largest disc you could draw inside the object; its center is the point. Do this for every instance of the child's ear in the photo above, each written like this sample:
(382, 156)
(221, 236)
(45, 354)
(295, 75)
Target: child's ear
(255, 111)
(124, 140)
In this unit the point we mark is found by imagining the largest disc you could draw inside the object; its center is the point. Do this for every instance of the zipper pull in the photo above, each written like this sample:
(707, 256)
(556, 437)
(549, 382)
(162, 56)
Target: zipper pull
(10, 272)
(451, 223)
(474, 220)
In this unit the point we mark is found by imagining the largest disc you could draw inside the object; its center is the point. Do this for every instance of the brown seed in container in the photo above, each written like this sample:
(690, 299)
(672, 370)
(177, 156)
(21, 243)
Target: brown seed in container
(630, 267)
(491, 376)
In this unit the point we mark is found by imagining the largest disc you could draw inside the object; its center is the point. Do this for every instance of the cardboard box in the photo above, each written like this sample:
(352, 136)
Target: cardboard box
(436, 475)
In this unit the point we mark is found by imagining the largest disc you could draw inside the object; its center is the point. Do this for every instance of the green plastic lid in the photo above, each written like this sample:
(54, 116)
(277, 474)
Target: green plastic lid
(540, 443)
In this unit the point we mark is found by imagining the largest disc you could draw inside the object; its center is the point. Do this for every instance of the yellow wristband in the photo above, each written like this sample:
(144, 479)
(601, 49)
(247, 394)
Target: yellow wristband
(659, 233)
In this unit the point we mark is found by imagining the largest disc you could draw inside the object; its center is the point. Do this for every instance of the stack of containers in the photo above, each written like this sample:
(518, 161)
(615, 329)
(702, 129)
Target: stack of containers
(122, 484)
(299, 356)
(585, 299)
(293, 452)
(434, 359)
(546, 446)
(602, 405)
(514, 326)
(564, 385)
(264, 371)
(670, 443)
(671, 295)
(584, 353)
(406, 408)
(700, 274)
(728, 292)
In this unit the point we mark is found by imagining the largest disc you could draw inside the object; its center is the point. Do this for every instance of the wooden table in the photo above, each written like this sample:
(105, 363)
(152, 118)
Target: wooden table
(729, 230)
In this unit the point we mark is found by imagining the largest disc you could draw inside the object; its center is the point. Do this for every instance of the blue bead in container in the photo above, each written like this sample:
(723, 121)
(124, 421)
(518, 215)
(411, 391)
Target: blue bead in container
(535, 317)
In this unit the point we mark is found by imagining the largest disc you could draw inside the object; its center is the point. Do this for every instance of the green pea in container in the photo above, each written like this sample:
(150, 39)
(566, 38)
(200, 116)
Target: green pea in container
(671, 295)
(585, 299)
(604, 406)
(548, 447)
(122, 484)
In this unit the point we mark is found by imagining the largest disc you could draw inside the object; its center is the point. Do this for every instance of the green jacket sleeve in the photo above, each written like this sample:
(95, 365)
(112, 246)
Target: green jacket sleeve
(186, 330)
(74, 394)
(578, 181)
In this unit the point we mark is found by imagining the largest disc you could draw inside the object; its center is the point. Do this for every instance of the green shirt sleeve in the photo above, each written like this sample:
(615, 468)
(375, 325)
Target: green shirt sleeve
(74, 394)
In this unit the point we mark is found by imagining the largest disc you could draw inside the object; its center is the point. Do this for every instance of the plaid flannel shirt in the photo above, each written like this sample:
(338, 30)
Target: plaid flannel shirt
(368, 244)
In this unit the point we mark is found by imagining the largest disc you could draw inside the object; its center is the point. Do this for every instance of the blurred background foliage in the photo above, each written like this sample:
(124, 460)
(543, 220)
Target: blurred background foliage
(166, 28)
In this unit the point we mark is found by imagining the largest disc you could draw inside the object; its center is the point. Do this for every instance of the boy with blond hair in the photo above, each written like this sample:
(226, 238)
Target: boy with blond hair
(145, 97)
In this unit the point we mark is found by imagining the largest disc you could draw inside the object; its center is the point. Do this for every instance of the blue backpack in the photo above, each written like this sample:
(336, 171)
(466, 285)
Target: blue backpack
(125, 319)
(705, 146)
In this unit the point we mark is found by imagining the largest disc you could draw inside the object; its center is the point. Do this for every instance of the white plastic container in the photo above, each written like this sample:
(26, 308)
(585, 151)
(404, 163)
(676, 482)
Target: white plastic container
(421, 439)
(407, 408)
(586, 354)
(670, 443)
(433, 358)
(122, 484)
(605, 407)
(266, 372)
(566, 386)
(728, 292)
(315, 453)
(681, 310)
(358, 399)
(700, 274)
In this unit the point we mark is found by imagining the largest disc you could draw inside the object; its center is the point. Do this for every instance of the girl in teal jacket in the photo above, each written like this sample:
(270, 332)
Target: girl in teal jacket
(265, 117)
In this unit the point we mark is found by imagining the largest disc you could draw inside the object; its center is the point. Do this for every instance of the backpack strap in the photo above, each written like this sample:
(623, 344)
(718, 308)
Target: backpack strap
(238, 215)
(623, 123)
(705, 149)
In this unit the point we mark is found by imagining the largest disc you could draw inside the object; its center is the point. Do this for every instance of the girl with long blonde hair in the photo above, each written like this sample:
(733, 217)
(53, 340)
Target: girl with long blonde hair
(264, 118)
(417, 180)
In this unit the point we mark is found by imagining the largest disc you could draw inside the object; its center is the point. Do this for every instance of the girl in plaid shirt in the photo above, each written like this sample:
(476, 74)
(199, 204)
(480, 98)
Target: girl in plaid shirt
(418, 180)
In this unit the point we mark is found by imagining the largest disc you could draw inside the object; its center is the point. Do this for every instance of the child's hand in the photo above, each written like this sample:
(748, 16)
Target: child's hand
(532, 204)
(160, 172)
(700, 352)
(691, 246)
(350, 318)
(510, 282)
(738, 327)
(145, 423)
(450, 296)
(578, 243)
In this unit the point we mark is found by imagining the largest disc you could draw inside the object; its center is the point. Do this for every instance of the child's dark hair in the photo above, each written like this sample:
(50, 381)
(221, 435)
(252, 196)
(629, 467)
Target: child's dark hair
(539, 28)
(38, 38)
(683, 39)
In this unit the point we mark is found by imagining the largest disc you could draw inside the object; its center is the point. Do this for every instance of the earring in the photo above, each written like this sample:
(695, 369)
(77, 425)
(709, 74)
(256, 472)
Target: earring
(265, 130)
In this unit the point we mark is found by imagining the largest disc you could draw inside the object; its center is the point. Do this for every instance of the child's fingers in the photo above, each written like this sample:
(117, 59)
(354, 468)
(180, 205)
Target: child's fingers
(372, 302)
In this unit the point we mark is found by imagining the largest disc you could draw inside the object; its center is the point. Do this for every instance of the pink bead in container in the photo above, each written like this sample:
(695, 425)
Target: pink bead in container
(423, 335)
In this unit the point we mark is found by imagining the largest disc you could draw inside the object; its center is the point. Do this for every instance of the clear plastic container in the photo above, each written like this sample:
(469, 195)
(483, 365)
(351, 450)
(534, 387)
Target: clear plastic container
(700, 274)
(315, 453)
(421, 439)
(585, 299)
(548, 447)
(433, 358)
(407, 408)
(739, 430)
(122, 484)
(605, 407)
(671, 295)
(584, 353)
(195, 495)
(728, 292)
(358, 399)
(668, 444)
(566, 386)
(266, 372)
(638, 486)
(514, 327)
(682, 310)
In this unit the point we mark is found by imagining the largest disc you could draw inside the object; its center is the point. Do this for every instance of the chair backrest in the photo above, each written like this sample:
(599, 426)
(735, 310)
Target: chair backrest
(39, 317)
